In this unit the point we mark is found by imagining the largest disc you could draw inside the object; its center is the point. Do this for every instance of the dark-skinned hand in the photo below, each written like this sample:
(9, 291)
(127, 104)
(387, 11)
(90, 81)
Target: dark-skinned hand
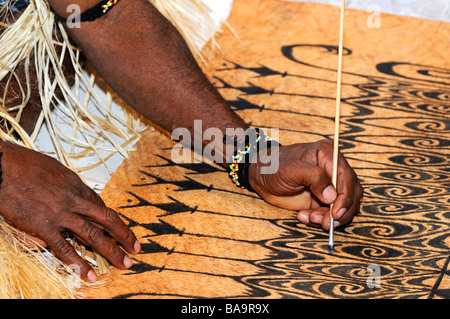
(44, 198)
(303, 183)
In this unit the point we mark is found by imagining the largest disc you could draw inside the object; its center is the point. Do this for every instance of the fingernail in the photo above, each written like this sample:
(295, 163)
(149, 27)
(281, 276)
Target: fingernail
(329, 194)
(341, 213)
(137, 247)
(303, 217)
(92, 276)
(317, 219)
(127, 261)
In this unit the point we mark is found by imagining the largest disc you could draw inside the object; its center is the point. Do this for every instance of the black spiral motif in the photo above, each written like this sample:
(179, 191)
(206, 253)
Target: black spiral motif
(427, 143)
(430, 126)
(434, 108)
(403, 191)
(410, 71)
(420, 160)
(389, 208)
(411, 176)
(436, 95)
(383, 230)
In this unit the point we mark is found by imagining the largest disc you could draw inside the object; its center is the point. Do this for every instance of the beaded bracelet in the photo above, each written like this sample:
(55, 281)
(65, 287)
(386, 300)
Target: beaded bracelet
(93, 13)
(238, 169)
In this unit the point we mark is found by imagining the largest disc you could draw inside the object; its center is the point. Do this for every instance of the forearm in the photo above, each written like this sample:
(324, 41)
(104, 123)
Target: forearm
(146, 61)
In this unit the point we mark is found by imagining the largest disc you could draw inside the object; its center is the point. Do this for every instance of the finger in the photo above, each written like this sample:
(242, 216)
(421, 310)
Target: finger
(313, 217)
(317, 216)
(110, 221)
(317, 180)
(349, 193)
(303, 216)
(321, 218)
(32, 240)
(95, 238)
(315, 202)
(347, 215)
(346, 177)
(90, 195)
(65, 252)
(326, 221)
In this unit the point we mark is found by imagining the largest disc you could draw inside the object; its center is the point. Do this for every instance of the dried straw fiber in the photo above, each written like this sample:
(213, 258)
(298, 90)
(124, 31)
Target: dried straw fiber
(203, 237)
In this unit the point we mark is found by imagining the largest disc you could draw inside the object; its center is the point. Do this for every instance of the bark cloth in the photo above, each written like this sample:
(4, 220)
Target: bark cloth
(202, 236)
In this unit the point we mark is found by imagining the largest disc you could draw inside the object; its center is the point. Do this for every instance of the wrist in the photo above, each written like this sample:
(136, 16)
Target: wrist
(245, 167)
(254, 176)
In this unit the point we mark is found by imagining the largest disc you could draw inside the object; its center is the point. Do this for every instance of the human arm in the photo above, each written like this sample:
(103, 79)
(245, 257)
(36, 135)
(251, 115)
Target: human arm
(146, 61)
